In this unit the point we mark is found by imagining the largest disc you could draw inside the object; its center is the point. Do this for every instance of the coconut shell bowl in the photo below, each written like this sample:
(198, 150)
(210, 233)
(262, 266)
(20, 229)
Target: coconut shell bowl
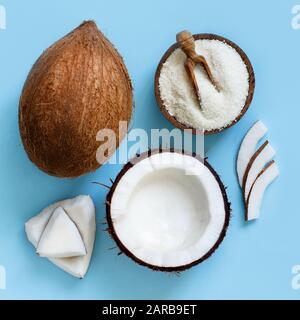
(173, 119)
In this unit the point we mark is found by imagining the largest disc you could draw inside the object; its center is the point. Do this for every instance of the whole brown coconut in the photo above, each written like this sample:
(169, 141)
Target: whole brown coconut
(78, 86)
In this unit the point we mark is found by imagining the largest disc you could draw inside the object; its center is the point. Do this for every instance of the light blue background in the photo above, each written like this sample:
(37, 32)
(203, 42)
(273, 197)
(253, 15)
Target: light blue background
(255, 260)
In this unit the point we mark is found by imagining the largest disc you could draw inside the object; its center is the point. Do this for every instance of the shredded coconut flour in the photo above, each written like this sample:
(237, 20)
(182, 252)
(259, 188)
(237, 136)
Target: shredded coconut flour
(218, 108)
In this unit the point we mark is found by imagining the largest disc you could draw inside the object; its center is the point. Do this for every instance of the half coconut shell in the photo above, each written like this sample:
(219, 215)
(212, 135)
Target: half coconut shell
(134, 168)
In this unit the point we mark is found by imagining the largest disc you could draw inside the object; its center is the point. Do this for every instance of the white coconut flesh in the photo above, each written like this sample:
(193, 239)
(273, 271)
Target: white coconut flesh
(61, 238)
(261, 159)
(168, 210)
(81, 211)
(248, 147)
(265, 178)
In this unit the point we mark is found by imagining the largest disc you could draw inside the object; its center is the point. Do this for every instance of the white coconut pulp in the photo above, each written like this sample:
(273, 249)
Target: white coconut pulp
(81, 211)
(61, 238)
(168, 210)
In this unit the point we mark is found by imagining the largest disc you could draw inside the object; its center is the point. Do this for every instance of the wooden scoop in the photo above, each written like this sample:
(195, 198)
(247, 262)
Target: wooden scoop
(187, 43)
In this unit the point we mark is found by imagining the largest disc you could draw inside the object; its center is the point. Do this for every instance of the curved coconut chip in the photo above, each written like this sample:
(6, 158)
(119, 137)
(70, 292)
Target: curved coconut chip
(247, 148)
(263, 180)
(258, 161)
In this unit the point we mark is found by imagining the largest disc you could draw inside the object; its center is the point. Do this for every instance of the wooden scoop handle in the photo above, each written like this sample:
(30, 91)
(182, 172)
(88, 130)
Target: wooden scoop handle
(187, 43)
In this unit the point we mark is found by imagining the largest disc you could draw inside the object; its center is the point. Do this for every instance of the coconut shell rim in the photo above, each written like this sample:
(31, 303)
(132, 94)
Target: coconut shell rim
(127, 252)
(180, 125)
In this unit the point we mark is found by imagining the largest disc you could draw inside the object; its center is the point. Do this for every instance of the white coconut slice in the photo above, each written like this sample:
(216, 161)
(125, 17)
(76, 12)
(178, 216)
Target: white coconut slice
(61, 238)
(256, 164)
(81, 211)
(264, 179)
(167, 210)
(248, 147)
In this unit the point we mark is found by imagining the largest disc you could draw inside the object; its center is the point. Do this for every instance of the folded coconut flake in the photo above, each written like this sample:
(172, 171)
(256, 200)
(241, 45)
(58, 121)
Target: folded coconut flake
(248, 147)
(81, 211)
(264, 179)
(61, 238)
(258, 161)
